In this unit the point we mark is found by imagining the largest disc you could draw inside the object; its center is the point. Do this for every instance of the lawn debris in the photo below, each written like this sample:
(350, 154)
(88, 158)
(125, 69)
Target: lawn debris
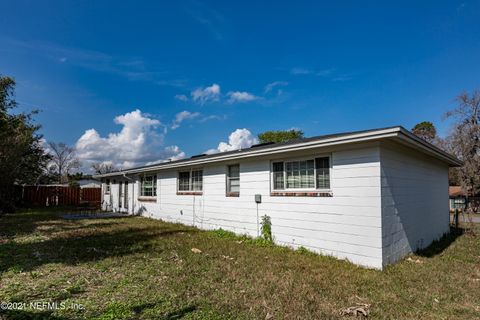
(269, 316)
(359, 309)
(195, 250)
(227, 257)
(418, 261)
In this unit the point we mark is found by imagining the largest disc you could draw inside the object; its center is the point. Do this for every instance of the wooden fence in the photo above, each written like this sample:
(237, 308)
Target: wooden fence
(47, 196)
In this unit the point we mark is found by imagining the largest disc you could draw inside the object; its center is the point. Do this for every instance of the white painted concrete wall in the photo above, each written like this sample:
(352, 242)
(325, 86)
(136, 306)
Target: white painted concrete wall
(414, 201)
(346, 225)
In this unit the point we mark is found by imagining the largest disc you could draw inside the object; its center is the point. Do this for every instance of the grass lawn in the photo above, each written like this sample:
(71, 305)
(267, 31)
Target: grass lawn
(138, 268)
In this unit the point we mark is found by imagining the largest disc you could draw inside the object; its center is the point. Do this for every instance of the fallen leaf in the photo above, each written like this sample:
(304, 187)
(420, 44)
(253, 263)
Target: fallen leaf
(359, 309)
(195, 250)
(416, 260)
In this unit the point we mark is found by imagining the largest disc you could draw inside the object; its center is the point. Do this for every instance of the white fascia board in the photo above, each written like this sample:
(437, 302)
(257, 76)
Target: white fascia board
(419, 144)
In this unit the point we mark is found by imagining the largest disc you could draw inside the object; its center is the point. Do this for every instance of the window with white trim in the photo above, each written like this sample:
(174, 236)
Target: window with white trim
(233, 179)
(305, 174)
(190, 180)
(148, 186)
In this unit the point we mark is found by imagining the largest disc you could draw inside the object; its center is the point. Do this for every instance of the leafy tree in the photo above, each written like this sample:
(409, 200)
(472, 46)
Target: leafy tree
(22, 158)
(63, 161)
(280, 135)
(464, 140)
(425, 130)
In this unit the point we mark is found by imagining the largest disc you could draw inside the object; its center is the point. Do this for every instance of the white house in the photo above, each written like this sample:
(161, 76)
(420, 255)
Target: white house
(369, 196)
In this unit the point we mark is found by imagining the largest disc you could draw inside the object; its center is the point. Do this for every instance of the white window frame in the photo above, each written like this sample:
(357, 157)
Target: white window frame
(228, 178)
(304, 158)
(190, 181)
(154, 187)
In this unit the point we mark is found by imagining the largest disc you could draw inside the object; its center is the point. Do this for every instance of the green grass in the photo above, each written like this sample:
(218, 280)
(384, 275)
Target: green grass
(138, 268)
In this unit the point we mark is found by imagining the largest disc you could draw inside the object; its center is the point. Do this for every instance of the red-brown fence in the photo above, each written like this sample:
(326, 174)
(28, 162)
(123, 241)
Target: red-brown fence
(91, 194)
(59, 195)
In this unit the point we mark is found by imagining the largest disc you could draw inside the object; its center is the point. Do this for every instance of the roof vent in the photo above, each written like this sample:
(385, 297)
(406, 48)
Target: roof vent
(198, 156)
(261, 144)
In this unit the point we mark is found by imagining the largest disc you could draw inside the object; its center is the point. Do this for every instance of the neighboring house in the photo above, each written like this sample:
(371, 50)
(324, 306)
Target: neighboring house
(457, 198)
(89, 183)
(369, 196)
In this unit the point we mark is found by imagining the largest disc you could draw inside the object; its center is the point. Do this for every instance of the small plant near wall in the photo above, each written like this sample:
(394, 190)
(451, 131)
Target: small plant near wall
(266, 230)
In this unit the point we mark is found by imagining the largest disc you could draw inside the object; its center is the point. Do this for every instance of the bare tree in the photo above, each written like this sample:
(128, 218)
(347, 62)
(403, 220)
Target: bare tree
(63, 161)
(464, 141)
(103, 167)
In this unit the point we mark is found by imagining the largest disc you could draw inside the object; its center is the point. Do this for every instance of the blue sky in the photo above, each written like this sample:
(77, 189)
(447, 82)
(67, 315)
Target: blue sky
(322, 67)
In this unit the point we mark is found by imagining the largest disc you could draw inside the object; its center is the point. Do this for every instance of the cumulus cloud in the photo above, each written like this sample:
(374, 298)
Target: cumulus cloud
(238, 139)
(138, 142)
(203, 95)
(182, 116)
(237, 96)
(269, 87)
(181, 97)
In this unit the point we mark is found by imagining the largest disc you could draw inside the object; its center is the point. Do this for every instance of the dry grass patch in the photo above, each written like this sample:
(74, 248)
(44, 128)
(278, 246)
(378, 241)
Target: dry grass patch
(138, 268)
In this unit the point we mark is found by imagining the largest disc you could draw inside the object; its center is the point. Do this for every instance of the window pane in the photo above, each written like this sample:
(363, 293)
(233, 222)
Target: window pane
(233, 178)
(197, 180)
(323, 172)
(184, 181)
(234, 171)
(300, 174)
(148, 186)
(234, 185)
(278, 182)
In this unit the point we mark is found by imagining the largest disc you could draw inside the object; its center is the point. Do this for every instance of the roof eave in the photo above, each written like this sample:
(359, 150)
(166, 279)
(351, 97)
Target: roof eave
(384, 133)
(395, 132)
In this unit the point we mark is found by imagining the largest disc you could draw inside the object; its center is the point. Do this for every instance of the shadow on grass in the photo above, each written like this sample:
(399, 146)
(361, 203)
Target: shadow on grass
(79, 247)
(178, 314)
(438, 246)
(18, 224)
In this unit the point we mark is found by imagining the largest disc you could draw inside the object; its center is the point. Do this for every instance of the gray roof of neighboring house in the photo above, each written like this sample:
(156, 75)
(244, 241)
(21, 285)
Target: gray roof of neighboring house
(344, 137)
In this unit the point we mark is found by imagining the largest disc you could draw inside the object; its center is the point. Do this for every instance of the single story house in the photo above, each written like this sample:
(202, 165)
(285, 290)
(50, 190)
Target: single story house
(369, 196)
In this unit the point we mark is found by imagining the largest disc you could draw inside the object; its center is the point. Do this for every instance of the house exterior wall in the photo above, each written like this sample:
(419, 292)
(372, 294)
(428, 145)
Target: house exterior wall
(415, 205)
(346, 225)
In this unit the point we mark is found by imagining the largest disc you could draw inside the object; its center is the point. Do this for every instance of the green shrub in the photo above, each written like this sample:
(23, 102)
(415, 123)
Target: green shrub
(266, 230)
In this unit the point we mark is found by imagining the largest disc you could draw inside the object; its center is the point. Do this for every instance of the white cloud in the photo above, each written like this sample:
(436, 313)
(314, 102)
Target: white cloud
(237, 96)
(324, 73)
(238, 139)
(203, 95)
(300, 71)
(269, 87)
(137, 143)
(181, 97)
(182, 116)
